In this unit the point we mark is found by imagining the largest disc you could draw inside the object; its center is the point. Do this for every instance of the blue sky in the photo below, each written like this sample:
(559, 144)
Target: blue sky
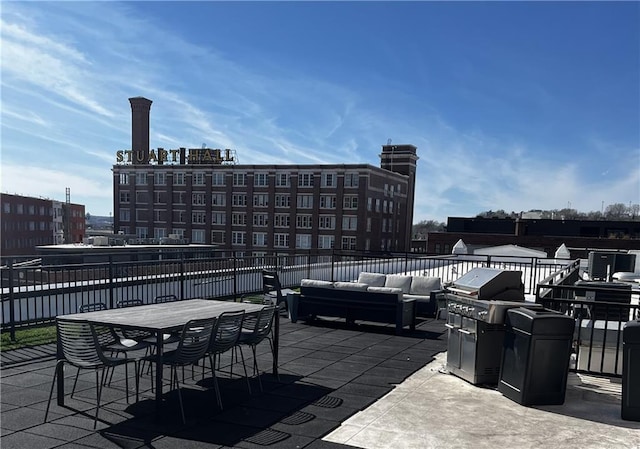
(512, 105)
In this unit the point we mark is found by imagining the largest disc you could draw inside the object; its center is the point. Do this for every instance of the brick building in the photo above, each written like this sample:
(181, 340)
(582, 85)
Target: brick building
(28, 222)
(203, 196)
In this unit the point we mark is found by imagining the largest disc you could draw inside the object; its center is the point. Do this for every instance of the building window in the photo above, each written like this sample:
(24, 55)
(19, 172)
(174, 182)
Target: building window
(141, 179)
(260, 200)
(281, 220)
(198, 178)
(158, 215)
(260, 219)
(142, 232)
(178, 197)
(160, 178)
(218, 236)
(350, 202)
(384, 207)
(329, 180)
(305, 180)
(178, 216)
(239, 179)
(141, 215)
(368, 224)
(124, 178)
(327, 201)
(159, 233)
(261, 179)
(280, 240)
(239, 219)
(283, 201)
(198, 198)
(218, 218)
(239, 199)
(179, 232)
(125, 215)
(303, 241)
(349, 243)
(384, 225)
(378, 205)
(327, 222)
(238, 238)
(349, 223)
(217, 178)
(125, 197)
(303, 221)
(158, 197)
(326, 241)
(142, 197)
(259, 239)
(390, 207)
(218, 199)
(197, 236)
(369, 204)
(282, 180)
(198, 217)
(305, 201)
(179, 179)
(351, 179)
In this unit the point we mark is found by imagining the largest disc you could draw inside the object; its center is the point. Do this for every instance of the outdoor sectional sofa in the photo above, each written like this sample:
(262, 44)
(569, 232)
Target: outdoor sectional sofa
(392, 298)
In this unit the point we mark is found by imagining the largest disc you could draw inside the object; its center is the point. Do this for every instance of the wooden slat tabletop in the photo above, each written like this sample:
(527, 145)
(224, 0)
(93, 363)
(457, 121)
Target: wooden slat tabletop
(163, 317)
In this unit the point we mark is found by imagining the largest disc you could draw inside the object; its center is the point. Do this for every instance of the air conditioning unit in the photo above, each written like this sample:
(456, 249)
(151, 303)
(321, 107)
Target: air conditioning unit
(174, 236)
(100, 240)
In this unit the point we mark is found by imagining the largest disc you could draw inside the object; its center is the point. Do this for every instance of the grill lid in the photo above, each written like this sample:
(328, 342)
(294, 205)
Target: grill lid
(490, 284)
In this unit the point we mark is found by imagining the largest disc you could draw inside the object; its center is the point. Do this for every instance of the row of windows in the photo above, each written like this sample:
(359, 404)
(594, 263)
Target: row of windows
(349, 222)
(280, 240)
(303, 201)
(27, 242)
(260, 179)
(32, 209)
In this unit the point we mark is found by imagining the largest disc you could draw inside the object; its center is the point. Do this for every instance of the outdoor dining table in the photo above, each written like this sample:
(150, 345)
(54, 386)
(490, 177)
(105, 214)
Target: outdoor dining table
(161, 319)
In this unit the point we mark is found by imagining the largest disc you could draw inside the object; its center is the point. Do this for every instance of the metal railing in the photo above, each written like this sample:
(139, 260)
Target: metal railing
(600, 312)
(35, 293)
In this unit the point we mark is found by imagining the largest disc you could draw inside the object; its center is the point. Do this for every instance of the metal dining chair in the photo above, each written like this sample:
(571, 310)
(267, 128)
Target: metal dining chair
(164, 298)
(224, 338)
(81, 348)
(109, 341)
(258, 330)
(192, 347)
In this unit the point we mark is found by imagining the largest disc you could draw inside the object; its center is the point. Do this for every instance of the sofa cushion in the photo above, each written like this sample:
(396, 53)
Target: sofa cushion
(372, 279)
(398, 281)
(385, 290)
(351, 286)
(424, 285)
(315, 283)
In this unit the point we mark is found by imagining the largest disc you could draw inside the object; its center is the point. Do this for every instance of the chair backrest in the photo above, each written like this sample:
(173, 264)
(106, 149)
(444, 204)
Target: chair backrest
(226, 331)
(79, 343)
(128, 303)
(84, 308)
(194, 340)
(164, 298)
(271, 284)
(264, 322)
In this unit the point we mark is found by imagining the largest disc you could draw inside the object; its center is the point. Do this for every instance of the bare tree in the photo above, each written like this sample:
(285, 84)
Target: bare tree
(616, 210)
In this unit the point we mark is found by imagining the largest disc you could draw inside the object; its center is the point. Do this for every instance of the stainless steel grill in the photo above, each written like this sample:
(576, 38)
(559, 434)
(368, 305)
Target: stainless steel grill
(477, 304)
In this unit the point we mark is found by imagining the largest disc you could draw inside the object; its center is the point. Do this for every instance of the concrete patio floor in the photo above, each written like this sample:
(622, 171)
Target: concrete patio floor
(339, 387)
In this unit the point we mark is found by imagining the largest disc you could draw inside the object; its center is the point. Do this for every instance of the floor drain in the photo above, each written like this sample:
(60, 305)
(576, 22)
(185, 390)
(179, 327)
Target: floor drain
(298, 418)
(267, 437)
(329, 402)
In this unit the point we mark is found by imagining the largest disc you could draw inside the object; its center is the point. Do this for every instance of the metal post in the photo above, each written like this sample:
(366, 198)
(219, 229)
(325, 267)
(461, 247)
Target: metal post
(12, 331)
(111, 280)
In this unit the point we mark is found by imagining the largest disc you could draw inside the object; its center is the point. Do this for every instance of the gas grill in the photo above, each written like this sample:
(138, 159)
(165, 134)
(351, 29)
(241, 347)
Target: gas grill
(477, 305)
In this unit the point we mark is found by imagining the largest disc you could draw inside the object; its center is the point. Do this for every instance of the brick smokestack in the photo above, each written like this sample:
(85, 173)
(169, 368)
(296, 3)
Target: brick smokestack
(140, 108)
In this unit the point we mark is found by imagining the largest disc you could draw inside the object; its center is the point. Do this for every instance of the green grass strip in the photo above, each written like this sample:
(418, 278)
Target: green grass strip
(28, 337)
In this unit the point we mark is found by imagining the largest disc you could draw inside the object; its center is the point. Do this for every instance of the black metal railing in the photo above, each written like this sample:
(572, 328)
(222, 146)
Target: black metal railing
(600, 311)
(35, 290)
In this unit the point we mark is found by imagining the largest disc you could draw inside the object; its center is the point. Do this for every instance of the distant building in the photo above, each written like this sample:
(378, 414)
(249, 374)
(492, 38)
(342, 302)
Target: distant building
(28, 222)
(578, 236)
(205, 197)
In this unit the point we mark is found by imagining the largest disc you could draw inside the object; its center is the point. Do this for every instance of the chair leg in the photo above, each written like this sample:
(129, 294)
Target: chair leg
(256, 370)
(215, 381)
(99, 385)
(244, 366)
(55, 374)
(73, 390)
(174, 375)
